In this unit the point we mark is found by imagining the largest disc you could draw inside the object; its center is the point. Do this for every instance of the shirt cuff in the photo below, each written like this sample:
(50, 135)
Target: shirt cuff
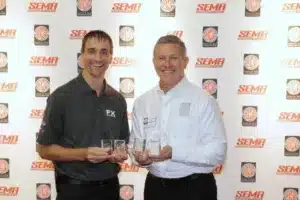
(145, 166)
(179, 154)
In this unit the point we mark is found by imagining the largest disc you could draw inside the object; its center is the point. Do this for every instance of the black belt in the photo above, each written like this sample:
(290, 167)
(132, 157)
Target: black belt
(63, 179)
(186, 178)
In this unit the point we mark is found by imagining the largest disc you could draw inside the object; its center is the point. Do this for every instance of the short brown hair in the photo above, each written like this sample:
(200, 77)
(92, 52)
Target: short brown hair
(100, 35)
(171, 39)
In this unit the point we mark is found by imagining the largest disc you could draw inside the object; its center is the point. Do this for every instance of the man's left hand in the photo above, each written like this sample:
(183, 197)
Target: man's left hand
(117, 157)
(165, 154)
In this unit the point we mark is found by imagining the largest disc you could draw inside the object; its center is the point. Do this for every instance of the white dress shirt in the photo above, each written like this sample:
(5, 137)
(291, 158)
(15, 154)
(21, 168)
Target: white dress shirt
(186, 118)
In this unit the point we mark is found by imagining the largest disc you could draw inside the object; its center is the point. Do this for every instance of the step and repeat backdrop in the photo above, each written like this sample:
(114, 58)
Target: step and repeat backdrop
(246, 53)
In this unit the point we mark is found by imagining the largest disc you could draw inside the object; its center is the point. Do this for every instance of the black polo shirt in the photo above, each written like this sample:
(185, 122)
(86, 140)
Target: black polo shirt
(76, 118)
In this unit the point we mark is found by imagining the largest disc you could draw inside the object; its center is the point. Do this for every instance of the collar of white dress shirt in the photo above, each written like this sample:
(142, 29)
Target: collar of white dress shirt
(173, 91)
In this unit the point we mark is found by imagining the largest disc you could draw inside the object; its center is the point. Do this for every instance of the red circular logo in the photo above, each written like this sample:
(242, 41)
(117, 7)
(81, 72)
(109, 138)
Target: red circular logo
(249, 114)
(248, 170)
(126, 192)
(167, 5)
(84, 5)
(43, 191)
(3, 111)
(3, 60)
(210, 34)
(42, 85)
(210, 86)
(4, 166)
(2, 4)
(253, 5)
(290, 194)
(293, 87)
(41, 33)
(251, 62)
(292, 144)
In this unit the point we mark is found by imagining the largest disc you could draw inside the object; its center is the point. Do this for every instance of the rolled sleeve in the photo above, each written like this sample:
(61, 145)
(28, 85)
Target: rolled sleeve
(51, 128)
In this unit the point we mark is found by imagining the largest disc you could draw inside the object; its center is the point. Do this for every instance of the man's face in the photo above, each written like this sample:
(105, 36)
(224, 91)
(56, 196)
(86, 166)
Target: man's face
(96, 57)
(170, 62)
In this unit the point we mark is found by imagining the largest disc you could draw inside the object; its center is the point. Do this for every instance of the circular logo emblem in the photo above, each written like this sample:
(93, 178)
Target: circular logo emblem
(126, 192)
(251, 62)
(43, 191)
(84, 5)
(248, 170)
(3, 166)
(3, 111)
(210, 86)
(290, 194)
(127, 86)
(2, 4)
(3, 60)
(167, 5)
(41, 33)
(292, 144)
(249, 114)
(294, 34)
(127, 33)
(253, 5)
(42, 85)
(210, 34)
(293, 87)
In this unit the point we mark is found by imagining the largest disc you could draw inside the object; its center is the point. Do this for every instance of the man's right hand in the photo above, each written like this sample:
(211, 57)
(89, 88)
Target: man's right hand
(97, 155)
(143, 158)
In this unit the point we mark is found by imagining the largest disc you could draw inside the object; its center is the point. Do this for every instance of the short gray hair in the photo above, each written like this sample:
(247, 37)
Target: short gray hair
(171, 39)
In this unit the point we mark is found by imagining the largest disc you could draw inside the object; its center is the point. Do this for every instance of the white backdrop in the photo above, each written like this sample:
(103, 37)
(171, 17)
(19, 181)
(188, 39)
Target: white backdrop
(245, 53)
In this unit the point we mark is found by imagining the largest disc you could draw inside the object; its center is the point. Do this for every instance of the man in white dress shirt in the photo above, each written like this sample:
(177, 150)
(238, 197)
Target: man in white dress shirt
(188, 125)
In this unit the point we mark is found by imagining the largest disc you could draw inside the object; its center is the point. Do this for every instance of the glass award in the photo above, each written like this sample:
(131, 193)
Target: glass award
(120, 146)
(139, 145)
(154, 147)
(106, 143)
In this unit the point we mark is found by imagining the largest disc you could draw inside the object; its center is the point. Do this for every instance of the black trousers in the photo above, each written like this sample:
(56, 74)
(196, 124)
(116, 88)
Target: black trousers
(72, 189)
(193, 187)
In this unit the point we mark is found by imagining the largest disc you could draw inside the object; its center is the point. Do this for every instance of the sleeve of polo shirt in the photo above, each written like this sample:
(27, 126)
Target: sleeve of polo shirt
(213, 147)
(124, 124)
(52, 124)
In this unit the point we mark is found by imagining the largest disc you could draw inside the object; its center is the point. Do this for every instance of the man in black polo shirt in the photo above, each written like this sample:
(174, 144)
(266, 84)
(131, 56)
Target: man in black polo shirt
(79, 115)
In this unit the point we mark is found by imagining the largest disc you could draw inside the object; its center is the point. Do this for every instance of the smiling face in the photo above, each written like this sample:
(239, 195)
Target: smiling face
(96, 56)
(170, 62)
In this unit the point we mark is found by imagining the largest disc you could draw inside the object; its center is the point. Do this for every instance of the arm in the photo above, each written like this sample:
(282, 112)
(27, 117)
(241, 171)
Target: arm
(51, 130)
(136, 132)
(212, 149)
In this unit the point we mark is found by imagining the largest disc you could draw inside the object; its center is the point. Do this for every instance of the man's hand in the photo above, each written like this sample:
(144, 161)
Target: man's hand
(117, 157)
(97, 155)
(143, 158)
(165, 154)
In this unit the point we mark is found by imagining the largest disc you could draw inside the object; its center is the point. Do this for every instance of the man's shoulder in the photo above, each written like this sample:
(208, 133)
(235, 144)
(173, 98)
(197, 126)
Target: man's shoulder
(197, 91)
(147, 96)
(65, 89)
(112, 92)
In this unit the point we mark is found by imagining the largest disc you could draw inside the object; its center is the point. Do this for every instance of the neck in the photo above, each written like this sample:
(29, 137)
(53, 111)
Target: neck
(95, 83)
(167, 87)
